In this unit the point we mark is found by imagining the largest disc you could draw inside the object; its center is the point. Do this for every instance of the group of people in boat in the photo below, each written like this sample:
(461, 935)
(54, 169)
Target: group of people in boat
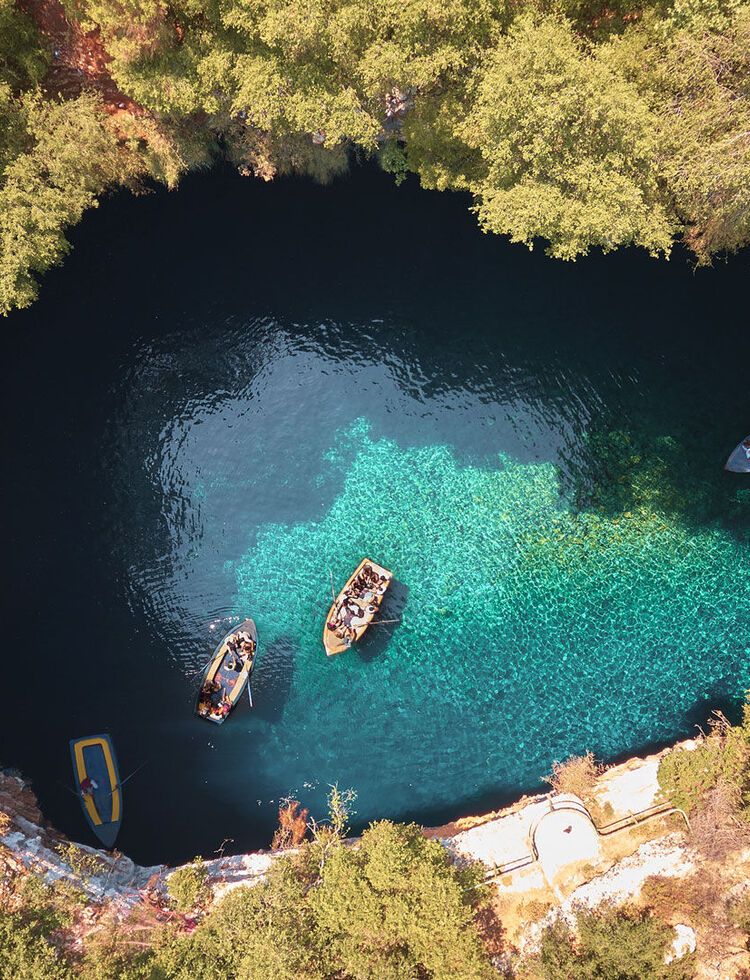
(214, 701)
(358, 604)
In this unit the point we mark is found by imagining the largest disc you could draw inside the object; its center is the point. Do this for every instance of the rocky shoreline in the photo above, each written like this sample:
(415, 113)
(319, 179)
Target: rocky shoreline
(545, 855)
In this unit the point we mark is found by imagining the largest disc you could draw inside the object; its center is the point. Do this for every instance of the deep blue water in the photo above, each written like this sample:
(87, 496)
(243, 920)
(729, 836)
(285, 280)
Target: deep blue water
(230, 394)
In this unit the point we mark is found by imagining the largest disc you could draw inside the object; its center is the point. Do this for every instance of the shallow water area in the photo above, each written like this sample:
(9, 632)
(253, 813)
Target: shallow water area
(227, 397)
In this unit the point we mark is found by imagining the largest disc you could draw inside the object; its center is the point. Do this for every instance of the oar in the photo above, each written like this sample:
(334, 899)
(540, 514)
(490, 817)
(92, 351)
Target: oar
(333, 593)
(123, 781)
(201, 668)
(250, 695)
(385, 622)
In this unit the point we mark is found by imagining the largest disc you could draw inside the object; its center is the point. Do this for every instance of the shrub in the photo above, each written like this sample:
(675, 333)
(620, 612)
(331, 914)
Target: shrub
(694, 897)
(721, 759)
(188, 887)
(82, 863)
(608, 943)
(719, 826)
(292, 826)
(26, 954)
(739, 912)
(577, 775)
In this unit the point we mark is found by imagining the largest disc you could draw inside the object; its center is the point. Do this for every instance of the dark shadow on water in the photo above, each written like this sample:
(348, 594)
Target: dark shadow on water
(377, 638)
(272, 679)
(631, 370)
(714, 700)
(671, 462)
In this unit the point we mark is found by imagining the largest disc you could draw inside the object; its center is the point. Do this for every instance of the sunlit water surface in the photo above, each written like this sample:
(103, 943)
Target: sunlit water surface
(227, 398)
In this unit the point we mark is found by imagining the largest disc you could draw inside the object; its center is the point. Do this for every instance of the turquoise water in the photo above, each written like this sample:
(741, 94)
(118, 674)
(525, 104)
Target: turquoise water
(528, 632)
(534, 449)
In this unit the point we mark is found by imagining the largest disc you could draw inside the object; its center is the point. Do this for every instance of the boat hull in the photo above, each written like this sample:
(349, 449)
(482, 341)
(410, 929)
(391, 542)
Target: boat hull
(94, 758)
(335, 644)
(739, 461)
(232, 682)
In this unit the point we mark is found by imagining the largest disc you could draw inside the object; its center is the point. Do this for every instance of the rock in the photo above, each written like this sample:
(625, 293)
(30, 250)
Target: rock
(683, 943)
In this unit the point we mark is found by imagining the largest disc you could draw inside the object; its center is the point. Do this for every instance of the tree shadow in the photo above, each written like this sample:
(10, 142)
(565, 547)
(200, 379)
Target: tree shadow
(377, 638)
(272, 679)
(664, 465)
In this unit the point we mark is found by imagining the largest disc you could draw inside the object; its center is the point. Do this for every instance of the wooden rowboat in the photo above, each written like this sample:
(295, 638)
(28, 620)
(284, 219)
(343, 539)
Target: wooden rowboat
(98, 785)
(228, 674)
(355, 606)
(739, 461)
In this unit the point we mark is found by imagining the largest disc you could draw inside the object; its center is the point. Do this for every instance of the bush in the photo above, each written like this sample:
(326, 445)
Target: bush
(608, 943)
(722, 759)
(393, 908)
(577, 775)
(292, 827)
(188, 887)
(739, 912)
(81, 862)
(26, 953)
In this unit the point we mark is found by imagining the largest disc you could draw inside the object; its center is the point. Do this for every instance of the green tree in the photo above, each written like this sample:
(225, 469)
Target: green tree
(26, 953)
(73, 155)
(23, 62)
(697, 83)
(608, 944)
(396, 908)
(567, 147)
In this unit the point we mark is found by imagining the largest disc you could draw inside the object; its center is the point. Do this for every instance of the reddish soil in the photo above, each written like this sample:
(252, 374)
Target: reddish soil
(79, 61)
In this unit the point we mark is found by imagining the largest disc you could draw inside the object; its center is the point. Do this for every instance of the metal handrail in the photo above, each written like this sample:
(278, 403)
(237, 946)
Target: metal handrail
(578, 806)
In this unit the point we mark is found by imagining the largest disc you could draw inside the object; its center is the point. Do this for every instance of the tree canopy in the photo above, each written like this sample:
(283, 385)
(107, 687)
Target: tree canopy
(577, 124)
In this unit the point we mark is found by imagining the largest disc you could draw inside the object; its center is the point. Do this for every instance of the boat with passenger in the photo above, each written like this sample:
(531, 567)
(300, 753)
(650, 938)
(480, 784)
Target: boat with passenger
(98, 785)
(355, 606)
(228, 673)
(739, 461)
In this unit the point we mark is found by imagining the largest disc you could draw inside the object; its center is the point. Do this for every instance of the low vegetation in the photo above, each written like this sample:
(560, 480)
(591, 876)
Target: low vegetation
(608, 943)
(711, 783)
(576, 775)
(188, 887)
(292, 828)
(576, 124)
(392, 908)
(393, 905)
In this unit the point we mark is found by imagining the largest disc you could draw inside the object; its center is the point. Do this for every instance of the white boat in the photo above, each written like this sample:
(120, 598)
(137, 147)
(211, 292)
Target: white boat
(739, 461)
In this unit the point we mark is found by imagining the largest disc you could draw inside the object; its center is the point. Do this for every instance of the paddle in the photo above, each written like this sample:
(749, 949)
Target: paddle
(333, 593)
(198, 671)
(123, 781)
(250, 695)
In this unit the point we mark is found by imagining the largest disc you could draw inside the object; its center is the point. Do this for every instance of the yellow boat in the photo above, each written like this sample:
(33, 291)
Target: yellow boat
(355, 606)
(98, 785)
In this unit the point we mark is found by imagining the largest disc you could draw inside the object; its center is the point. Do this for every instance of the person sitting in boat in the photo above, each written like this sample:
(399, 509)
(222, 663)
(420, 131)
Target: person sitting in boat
(209, 689)
(224, 707)
(88, 786)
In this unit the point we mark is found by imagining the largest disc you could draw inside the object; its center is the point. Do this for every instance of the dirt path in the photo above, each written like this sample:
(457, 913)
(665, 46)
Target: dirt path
(79, 60)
